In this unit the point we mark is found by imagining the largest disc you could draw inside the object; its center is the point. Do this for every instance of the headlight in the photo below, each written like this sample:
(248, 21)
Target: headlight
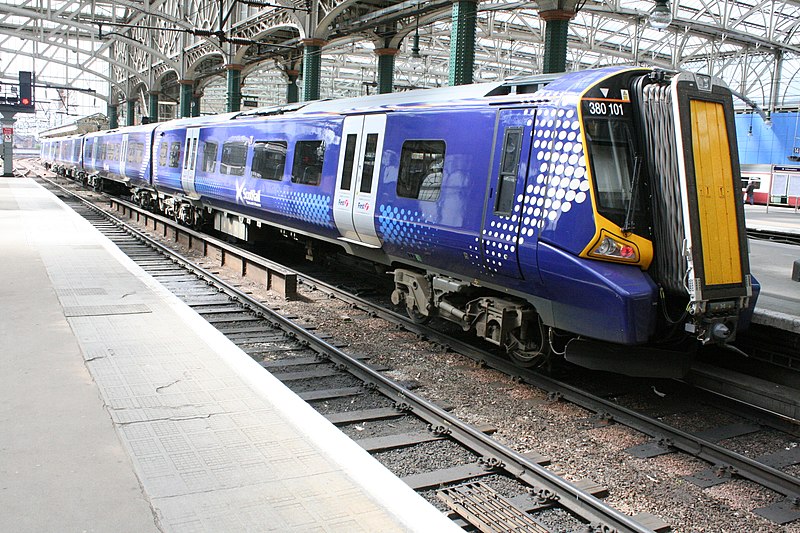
(615, 249)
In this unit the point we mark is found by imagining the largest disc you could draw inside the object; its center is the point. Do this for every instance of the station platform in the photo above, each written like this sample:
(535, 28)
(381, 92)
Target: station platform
(771, 263)
(123, 410)
(772, 218)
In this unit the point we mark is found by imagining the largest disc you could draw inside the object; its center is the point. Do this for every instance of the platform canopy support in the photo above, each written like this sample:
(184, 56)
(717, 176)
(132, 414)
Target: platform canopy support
(113, 119)
(462, 41)
(312, 68)
(153, 105)
(556, 14)
(386, 69)
(186, 98)
(234, 95)
(130, 112)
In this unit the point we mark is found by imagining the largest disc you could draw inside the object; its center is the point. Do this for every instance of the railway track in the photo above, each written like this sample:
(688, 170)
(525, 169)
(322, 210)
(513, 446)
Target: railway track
(774, 236)
(724, 464)
(484, 484)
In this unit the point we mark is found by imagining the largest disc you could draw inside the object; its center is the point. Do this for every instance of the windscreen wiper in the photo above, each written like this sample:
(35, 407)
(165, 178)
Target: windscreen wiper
(637, 170)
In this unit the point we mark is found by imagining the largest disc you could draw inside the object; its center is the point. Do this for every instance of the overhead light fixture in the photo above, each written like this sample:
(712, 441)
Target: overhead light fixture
(660, 15)
(415, 45)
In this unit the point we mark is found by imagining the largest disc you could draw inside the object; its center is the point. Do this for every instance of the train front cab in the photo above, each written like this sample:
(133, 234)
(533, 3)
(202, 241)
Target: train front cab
(688, 167)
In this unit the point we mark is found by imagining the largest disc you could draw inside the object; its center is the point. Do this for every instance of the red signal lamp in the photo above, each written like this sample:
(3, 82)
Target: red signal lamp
(25, 101)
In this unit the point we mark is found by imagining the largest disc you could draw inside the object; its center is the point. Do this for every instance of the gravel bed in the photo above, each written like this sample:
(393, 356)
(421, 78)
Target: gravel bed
(526, 421)
(425, 457)
(339, 381)
(382, 428)
(367, 400)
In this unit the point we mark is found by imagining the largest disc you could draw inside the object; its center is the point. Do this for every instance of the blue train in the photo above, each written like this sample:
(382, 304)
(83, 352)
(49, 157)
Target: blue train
(594, 212)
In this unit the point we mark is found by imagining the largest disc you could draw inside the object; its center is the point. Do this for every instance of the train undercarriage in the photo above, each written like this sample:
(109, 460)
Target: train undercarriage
(512, 324)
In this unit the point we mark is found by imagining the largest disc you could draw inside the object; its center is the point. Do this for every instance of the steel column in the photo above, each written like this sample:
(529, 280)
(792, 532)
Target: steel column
(186, 98)
(556, 14)
(292, 90)
(7, 122)
(153, 105)
(130, 112)
(234, 96)
(386, 69)
(312, 68)
(462, 41)
(113, 121)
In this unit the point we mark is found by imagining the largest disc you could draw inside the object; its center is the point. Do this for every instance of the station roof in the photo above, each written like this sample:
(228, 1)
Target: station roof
(91, 46)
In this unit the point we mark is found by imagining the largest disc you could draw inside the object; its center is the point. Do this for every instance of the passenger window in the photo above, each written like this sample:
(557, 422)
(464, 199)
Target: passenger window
(135, 152)
(349, 159)
(307, 164)
(234, 158)
(162, 154)
(269, 160)
(175, 155)
(209, 163)
(369, 162)
(509, 166)
(421, 170)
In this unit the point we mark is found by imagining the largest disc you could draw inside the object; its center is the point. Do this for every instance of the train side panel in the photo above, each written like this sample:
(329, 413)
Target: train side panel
(292, 185)
(432, 189)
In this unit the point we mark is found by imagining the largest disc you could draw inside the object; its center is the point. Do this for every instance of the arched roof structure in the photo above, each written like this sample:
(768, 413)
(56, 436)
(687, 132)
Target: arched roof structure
(119, 47)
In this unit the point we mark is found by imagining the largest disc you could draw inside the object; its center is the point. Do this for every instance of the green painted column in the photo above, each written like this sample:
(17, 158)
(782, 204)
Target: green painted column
(113, 121)
(196, 104)
(234, 97)
(186, 98)
(386, 69)
(462, 41)
(292, 90)
(130, 112)
(153, 106)
(312, 68)
(555, 39)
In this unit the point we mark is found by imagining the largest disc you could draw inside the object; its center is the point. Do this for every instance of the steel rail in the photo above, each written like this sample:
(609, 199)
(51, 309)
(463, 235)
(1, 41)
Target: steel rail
(496, 455)
(743, 466)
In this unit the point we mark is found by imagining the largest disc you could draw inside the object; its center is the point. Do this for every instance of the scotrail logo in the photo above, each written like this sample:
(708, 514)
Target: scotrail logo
(247, 196)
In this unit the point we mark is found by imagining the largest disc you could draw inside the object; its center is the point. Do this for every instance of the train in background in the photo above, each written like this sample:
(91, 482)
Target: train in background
(594, 214)
(774, 184)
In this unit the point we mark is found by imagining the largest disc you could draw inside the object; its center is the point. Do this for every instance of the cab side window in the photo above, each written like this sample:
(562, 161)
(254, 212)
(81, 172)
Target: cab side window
(509, 166)
(421, 170)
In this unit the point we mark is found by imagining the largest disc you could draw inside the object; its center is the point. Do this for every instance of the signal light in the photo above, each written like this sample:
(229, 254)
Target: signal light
(26, 88)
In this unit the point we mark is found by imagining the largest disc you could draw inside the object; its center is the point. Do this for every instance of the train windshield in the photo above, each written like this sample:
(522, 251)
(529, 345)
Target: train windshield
(613, 166)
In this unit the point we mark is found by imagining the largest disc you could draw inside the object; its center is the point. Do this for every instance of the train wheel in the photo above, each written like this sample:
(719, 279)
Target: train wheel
(417, 317)
(531, 350)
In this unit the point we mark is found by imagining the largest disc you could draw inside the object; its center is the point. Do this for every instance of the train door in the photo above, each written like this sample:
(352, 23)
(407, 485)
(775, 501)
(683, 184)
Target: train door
(356, 179)
(189, 161)
(123, 155)
(506, 206)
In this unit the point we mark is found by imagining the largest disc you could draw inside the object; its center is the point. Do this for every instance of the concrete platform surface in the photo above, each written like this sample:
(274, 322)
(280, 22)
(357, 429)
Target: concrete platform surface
(783, 219)
(771, 264)
(123, 410)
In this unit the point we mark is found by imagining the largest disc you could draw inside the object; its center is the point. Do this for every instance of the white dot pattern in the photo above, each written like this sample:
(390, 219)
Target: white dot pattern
(557, 182)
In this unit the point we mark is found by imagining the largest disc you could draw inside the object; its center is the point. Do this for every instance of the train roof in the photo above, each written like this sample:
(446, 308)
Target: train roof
(458, 95)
